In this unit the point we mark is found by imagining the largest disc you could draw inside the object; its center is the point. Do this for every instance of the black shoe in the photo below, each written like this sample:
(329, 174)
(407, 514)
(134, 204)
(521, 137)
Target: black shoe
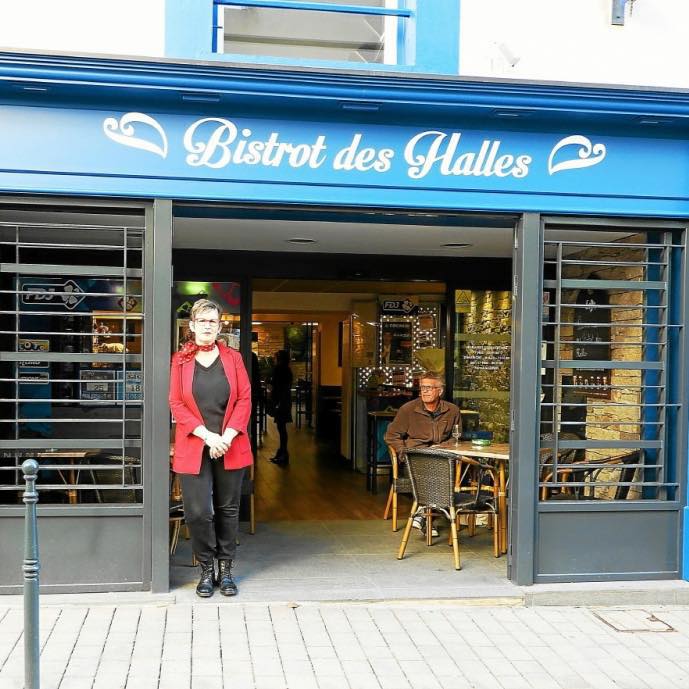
(280, 460)
(206, 586)
(227, 585)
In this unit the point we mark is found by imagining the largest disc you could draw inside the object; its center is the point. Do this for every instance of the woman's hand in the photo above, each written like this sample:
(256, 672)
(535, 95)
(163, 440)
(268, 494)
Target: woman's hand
(229, 435)
(216, 444)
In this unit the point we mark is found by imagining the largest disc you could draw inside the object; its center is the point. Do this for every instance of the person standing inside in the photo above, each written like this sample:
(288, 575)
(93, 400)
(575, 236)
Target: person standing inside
(281, 399)
(210, 400)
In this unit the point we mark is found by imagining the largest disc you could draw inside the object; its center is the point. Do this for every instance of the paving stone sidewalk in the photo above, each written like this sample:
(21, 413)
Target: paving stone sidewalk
(214, 645)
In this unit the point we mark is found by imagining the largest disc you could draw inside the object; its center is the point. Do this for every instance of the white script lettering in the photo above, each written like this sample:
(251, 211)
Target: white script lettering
(218, 142)
(225, 144)
(429, 149)
(353, 158)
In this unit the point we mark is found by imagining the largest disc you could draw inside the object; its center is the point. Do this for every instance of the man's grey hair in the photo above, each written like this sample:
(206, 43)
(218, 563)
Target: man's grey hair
(432, 375)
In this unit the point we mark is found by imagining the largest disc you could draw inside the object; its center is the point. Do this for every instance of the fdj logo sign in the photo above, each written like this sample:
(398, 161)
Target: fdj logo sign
(66, 295)
(405, 307)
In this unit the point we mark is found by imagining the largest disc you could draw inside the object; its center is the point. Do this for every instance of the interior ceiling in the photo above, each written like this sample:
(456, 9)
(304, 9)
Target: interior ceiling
(272, 235)
(341, 237)
(347, 286)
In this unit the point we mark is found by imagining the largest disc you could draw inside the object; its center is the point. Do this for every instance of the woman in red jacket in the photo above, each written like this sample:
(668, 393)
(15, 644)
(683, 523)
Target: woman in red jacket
(210, 399)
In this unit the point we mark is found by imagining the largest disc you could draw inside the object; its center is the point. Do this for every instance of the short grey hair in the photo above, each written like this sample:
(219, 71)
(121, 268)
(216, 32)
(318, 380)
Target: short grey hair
(432, 375)
(204, 305)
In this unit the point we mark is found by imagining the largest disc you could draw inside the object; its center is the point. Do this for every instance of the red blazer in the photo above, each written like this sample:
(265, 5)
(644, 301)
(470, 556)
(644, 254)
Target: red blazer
(188, 447)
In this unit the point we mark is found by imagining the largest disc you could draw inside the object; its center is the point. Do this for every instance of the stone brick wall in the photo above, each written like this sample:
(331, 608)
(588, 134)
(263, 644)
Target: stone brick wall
(483, 360)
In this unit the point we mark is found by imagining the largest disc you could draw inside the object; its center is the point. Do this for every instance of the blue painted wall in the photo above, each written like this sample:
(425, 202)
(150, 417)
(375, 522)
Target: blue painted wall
(188, 29)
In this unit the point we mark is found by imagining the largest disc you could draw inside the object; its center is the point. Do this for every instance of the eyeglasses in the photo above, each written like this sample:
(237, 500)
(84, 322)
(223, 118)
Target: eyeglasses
(429, 388)
(205, 321)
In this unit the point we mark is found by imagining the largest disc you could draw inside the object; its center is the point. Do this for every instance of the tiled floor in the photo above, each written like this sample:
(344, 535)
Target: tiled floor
(353, 560)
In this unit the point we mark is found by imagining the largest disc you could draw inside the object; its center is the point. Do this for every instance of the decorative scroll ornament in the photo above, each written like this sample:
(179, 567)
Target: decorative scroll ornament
(122, 132)
(589, 154)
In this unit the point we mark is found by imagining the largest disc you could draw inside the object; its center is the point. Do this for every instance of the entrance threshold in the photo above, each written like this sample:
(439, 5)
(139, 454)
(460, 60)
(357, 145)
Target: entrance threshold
(354, 560)
(603, 594)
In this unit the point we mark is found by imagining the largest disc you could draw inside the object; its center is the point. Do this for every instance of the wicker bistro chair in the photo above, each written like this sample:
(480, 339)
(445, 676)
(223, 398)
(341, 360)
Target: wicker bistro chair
(400, 483)
(564, 458)
(432, 475)
(584, 475)
(176, 512)
(480, 495)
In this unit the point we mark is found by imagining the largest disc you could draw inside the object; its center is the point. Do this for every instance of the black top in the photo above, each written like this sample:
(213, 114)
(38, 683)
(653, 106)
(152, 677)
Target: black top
(211, 391)
(281, 395)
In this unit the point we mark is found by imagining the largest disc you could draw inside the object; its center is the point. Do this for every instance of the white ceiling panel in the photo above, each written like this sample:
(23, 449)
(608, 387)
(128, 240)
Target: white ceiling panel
(341, 237)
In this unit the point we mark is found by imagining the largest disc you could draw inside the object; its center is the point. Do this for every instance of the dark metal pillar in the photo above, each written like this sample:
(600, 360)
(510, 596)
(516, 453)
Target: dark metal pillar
(157, 329)
(526, 307)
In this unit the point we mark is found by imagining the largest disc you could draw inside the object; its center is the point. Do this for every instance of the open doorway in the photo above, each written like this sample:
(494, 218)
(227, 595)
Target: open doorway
(348, 361)
(363, 303)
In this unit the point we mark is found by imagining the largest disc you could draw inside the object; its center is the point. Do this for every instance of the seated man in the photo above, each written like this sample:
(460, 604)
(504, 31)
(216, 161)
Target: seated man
(423, 422)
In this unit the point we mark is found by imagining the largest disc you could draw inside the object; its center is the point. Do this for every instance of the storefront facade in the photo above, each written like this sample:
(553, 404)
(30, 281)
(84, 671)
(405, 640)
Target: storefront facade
(577, 166)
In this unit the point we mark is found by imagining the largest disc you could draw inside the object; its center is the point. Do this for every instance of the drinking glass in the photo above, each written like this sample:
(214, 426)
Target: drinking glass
(456, 433)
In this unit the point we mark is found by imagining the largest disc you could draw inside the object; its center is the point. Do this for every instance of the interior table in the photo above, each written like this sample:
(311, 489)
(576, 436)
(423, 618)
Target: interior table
(70, 472)
(375, 418)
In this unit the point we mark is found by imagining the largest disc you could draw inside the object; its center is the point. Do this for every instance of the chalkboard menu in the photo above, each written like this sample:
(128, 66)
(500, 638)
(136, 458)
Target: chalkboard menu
(396, 342)
(485, 361)
(592, 335)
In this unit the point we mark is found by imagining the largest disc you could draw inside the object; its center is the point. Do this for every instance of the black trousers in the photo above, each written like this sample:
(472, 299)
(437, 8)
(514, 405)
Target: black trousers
(282, 432)
(211, 508)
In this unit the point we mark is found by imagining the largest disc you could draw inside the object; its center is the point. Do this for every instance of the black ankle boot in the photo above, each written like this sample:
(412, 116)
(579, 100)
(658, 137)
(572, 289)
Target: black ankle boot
(280, 458)
(227, 585)
(206, 586)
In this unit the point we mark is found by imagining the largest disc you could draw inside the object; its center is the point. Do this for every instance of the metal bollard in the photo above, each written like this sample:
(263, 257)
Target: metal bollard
(31, 568)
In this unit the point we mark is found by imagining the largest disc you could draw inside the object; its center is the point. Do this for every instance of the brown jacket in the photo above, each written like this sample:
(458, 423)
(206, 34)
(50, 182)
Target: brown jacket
(414, 426)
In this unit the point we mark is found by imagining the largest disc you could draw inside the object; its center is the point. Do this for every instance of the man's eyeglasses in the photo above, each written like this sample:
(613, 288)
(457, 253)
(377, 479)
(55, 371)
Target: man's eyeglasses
(429, 388)
(205, 321)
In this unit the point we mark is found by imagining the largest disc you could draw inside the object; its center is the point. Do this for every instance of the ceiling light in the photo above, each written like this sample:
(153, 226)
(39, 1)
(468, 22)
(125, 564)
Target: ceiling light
(360, 106)
(455, 245)
(201, 97)
(507, 113)
(656, 120)
(301, 240)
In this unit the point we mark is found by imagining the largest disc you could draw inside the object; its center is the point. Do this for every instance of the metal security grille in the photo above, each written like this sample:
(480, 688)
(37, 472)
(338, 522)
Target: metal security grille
(610, 339)
(71, 394)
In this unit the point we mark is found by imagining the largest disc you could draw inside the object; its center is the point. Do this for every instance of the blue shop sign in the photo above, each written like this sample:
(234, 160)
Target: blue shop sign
(201, 156)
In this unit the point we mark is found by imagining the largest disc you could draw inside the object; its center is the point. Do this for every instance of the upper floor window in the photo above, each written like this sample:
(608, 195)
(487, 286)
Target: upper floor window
(360, 31)
(382, 35)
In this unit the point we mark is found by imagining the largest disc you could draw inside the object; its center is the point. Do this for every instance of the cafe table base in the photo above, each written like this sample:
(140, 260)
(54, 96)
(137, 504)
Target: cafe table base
(497, 455)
